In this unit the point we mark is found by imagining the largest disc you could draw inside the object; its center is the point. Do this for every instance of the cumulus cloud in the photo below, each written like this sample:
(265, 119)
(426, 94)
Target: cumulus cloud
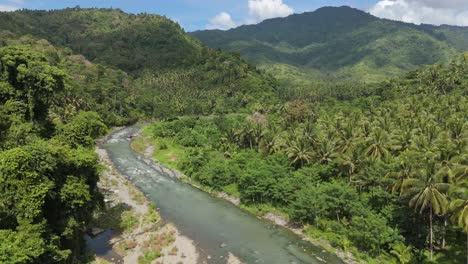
(452, 12)
(259, 10)
(263, 9)
(222, 21)
(7, 8)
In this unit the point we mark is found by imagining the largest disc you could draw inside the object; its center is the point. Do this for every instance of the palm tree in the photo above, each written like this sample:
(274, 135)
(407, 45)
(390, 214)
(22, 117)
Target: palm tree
(299, 152)
(459, 210)
(269, 143)
(459, 204)
(325, 151)
(403, 171)
(427, 193)
(247, 135)
(347, 165)
(378, 144)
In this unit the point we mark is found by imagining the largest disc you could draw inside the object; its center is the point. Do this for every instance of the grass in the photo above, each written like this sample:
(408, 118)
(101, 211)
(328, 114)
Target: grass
(154, 245)
(148, 256)
(232, 190)
(139, 145)
(262, 209)
(151, 216)
(167, 152)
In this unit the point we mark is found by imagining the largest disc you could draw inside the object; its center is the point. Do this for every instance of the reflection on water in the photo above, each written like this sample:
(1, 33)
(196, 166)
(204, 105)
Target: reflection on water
(216, 226)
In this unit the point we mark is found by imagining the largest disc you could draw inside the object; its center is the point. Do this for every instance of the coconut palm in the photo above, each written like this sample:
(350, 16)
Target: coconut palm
(427, 193)
(403, 171)
(379, 144)
(325, 151)
(299, 152)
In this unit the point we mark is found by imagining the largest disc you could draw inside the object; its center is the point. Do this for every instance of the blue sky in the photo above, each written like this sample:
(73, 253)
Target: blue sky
(224, 14)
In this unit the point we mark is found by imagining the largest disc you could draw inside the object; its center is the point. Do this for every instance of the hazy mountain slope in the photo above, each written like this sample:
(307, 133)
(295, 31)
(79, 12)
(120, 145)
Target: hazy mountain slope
(338, 43)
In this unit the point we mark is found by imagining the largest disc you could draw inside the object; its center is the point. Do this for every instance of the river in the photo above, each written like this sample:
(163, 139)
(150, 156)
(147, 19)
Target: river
(217, 226)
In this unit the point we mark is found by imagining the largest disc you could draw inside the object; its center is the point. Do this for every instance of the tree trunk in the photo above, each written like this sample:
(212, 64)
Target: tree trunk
(444, 231)
(430, 232)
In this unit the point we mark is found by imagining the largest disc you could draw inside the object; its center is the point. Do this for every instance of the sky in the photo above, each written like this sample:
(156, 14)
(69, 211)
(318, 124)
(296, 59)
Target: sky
(224, 14)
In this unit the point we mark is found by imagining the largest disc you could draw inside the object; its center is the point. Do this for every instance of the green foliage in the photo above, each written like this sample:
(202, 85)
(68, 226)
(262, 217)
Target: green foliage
(173, 74)
(52, 187)
(109, 36)
(353, 160)
(338, 43)
(356, 170)
(82, 130)
(48, 184)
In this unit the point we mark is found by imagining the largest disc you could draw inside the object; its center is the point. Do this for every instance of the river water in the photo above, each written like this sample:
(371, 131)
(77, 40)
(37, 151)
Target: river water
(216, 226)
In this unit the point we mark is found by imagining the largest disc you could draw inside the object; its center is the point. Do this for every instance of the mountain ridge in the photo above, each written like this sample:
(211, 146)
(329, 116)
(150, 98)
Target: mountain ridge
(356, 44)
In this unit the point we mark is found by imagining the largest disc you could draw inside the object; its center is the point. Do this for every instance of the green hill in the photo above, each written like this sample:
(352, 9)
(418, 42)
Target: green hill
(171, 72)
(338, 43)
(110, 36)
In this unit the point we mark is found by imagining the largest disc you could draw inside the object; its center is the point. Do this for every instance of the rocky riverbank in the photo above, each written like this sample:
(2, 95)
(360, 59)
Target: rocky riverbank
(139, 233)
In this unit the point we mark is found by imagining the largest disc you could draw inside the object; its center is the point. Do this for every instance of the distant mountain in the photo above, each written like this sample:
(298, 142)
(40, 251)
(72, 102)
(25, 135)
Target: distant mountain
(338, 43)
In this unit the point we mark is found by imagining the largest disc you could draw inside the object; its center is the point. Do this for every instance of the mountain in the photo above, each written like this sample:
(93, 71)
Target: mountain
(171, 73)
(110, 36)
(334, 43)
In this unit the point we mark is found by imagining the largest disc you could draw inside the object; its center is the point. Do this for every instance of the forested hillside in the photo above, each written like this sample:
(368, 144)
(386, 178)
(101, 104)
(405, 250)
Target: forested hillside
(378, 169)
(338, 43)
(167, 72)
(384, 175)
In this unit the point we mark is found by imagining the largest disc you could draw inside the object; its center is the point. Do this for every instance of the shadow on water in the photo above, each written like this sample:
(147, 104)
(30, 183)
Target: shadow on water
(100, 245)
(110, 222)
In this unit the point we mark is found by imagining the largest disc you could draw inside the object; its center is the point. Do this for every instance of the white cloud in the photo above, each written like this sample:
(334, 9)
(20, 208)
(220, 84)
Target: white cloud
(452, 12)
(442, 3)
(7, 8)
(263, 9)
(222, 21)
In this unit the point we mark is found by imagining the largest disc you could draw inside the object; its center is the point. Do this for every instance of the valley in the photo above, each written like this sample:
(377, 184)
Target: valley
(331, 136)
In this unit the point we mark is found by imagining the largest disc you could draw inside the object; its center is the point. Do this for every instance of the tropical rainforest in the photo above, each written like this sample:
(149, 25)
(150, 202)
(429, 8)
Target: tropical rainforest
(361, 142)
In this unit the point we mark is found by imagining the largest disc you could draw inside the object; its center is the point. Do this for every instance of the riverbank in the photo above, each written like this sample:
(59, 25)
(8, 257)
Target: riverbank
(139, 233)
(144, 146)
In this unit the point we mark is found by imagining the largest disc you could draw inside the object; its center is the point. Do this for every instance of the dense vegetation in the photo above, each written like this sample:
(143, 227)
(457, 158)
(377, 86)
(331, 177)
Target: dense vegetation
(383, 174)
(378, 169)
(55, 102)
(48, 169)
(338, 43)
(110, 36)
(163, 72)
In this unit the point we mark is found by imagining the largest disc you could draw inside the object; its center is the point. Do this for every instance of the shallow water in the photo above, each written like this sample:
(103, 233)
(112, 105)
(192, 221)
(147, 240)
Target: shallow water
(101, 247)
(216, 226)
